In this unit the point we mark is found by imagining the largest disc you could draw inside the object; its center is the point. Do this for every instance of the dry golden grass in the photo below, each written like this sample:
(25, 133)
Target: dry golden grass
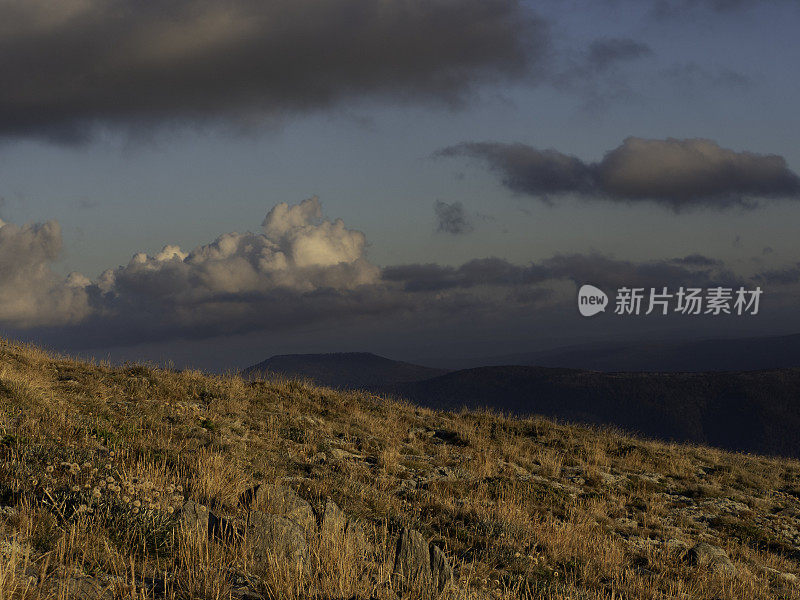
(97, 460)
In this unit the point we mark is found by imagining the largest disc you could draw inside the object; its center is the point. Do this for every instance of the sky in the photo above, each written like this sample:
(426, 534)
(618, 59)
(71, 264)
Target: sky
(212, 183)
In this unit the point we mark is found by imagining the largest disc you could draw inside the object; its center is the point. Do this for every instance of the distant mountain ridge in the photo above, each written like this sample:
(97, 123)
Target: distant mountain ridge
(345, 370)
(740, 354)
(750, 411)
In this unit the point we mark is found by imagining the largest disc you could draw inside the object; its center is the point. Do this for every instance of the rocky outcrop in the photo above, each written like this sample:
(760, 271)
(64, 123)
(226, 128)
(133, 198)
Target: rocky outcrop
(278, 526)
(420, 566)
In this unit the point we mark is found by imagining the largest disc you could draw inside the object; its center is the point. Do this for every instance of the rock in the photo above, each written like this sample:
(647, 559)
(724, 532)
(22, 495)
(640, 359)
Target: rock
(712, 557)
(513, 468)
(334, 521)
(88, 588)
(610, 479)
(337, 528)
(194, 516)
(421, 567)
(9, 546)
(276, 537)
(786, 578)
(441, 570)
(342, 454)
(413, 561)
(283, 501)
(676, 545)
(222, 528)
(355, 536)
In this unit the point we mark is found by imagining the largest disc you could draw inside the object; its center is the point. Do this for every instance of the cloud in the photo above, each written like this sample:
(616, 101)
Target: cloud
(785, 276)
(606, 52)
(527, 170)
(696, 260)
(301, 272)
(676, 173)
(72, 65)
(577, 268)
(302, 269)
(597, 73)
(452, 218)
(31, 294)
(674, 8)
(692, 76)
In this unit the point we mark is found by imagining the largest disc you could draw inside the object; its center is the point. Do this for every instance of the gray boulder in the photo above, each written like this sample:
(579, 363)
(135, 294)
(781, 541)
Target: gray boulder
(441, 570)
(413, 561)
(711, 557)
(336, 527)
(334, 521)
(277, 537)
(283, 501)
(420, 566)
(356, 538)
(194, 516)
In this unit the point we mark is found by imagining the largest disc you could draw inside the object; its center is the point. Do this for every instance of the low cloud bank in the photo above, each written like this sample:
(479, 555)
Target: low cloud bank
(301, 271)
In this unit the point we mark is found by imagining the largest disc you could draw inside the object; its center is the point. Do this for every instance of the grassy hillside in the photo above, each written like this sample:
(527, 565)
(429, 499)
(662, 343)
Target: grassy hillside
(750, 411)
(107, 477)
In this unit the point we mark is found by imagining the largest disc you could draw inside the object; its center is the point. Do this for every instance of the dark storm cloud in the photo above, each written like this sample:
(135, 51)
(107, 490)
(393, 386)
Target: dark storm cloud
(485, 271)
(677, 173)
(452, 218)
(527, 170)
(615, 273)
(67, 66)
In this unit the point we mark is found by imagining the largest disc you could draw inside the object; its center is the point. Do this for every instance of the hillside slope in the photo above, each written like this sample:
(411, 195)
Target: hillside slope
(345, 370)
(752, 411)
(141, 482)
